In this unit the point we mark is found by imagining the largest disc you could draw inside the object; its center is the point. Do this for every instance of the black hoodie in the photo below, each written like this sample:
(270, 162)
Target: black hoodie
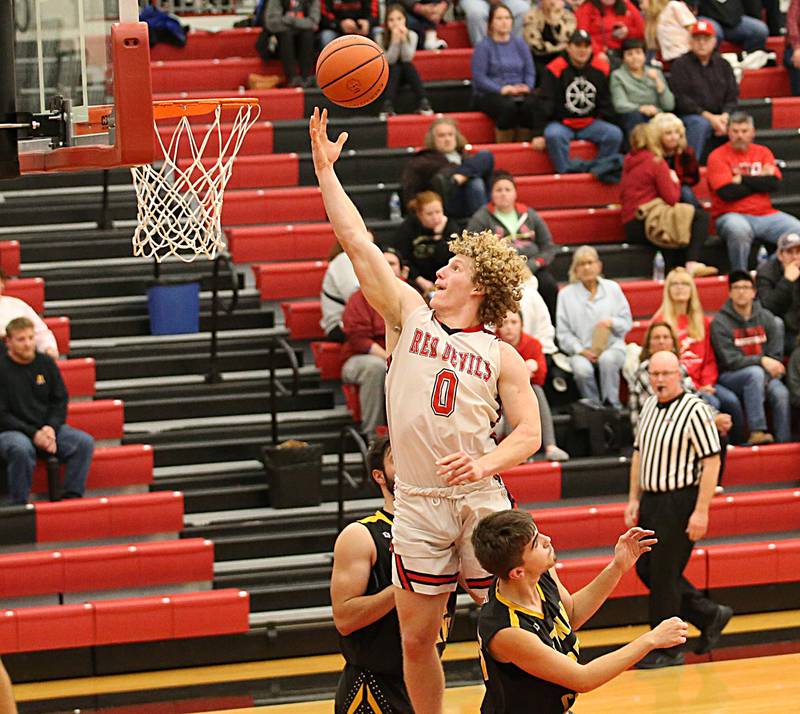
(742, 343)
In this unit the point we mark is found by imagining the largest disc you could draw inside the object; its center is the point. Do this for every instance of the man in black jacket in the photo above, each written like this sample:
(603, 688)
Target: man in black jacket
(33, 409)
(730, 23)
(705, 89)
(575, 97)
(347, 17)
(779, 287)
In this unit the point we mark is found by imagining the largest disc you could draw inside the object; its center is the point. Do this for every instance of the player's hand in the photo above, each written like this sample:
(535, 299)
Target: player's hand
(631, 545)
(324, 151)
(632, 513)
(668, 633)
(460, 468)
(698, 525)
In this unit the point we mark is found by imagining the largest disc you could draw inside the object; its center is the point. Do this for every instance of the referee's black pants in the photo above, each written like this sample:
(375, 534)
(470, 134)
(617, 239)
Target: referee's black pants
(661, 570)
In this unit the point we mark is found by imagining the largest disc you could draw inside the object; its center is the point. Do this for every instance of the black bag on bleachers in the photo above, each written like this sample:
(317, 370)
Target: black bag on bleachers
(605, 427)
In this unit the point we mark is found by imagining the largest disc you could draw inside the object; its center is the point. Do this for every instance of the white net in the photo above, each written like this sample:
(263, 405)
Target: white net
(179, 200)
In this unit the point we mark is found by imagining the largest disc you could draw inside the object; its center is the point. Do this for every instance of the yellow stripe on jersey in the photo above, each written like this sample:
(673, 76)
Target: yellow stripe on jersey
(371, 703)
(513, 608)
(378, 516)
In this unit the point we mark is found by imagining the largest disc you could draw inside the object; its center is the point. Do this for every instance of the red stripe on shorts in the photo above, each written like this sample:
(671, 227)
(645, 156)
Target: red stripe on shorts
(401, 571)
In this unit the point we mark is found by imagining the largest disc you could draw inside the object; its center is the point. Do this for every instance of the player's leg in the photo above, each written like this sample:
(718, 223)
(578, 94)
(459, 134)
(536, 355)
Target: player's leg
(420, 621)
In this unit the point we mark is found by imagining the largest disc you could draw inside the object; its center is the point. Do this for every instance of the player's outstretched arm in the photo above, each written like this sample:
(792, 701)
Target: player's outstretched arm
(7, 705)
(529, 653)
(581, 605)
(392, 298)
(354, 555)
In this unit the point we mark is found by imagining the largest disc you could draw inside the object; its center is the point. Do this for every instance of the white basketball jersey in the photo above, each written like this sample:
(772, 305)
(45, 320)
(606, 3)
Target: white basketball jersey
(441, 395)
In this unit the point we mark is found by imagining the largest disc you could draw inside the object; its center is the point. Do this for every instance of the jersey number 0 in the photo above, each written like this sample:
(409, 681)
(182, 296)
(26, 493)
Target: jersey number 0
(443, 399)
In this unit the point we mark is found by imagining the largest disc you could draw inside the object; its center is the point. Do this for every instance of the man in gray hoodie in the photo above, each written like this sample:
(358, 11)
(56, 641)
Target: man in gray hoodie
(749, 350)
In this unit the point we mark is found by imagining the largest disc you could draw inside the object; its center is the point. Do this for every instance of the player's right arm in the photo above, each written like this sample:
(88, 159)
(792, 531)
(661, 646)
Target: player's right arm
(529, 653)
(392, 298)
(7, 705)
(354, 555)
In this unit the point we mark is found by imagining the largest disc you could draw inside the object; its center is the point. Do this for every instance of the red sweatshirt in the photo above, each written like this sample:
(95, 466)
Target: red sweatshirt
(600, 24)
(363, 326)
(530, 348)
(696, 355)
(723, 162)
(645, 177)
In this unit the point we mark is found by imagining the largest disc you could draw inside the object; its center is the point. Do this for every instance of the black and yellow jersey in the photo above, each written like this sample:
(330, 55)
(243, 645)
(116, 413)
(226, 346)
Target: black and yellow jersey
(509, 689)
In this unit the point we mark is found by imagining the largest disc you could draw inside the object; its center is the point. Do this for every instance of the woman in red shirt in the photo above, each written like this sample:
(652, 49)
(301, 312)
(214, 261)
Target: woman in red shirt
(682, 310)
(609, 22)
(531, 351)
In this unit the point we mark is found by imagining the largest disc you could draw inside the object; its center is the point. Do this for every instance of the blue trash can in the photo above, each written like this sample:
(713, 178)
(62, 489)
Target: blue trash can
(174, 307)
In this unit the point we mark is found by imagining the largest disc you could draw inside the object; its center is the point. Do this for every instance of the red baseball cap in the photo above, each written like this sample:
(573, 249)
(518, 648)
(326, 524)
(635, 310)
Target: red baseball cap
(701, 27)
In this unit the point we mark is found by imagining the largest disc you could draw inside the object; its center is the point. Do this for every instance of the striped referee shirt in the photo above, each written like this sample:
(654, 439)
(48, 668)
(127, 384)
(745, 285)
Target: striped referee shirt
(672, 440)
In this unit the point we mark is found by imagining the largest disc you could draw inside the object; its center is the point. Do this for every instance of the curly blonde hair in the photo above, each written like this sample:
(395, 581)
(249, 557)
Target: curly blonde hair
(497, 268)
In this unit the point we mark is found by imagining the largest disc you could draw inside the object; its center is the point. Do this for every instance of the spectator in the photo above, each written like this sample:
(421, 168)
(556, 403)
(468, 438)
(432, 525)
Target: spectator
(400, 44)
(741, 175)
(364, 353)
(609, 23)
(666, 27)
(526, 229)
(444, 167)
(749, 351)
(791, 57)
(680, 157)
(651, 209)
(673, 477)
(503, 80)
(638, 93)
(33, 409)
(347, 17)
(705, 89)
(338, 284)
(729, 21)
(295, 24)
(422, 240)
(530, 349)
(793, 378)
(11, 308)
(779, 288)
(536, 317)
(592, 320)
(548, 26)
(576, 99)
(424, 17)
(682, 310)
(478, 14)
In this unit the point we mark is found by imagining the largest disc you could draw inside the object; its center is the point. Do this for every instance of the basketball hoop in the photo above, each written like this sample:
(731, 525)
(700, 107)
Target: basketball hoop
(179, 202)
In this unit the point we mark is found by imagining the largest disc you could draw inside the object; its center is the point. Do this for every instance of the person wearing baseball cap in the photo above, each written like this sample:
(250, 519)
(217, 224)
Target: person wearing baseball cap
(576, 101)
(730, 22)
(779, 288)
(705, 89)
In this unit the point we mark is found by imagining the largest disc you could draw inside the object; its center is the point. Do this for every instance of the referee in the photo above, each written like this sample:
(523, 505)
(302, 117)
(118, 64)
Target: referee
(674, 471)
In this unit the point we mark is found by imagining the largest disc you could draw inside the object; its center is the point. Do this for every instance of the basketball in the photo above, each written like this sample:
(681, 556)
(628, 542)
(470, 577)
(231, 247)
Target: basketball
(352, 71)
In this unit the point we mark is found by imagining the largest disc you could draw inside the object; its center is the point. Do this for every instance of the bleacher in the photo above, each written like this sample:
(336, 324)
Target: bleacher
(176, 557)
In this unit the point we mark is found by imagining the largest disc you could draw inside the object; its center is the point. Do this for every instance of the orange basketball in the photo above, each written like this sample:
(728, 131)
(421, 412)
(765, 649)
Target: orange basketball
(352, 71)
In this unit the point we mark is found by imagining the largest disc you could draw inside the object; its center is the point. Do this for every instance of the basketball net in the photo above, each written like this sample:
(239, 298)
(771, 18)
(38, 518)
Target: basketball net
(179, 201)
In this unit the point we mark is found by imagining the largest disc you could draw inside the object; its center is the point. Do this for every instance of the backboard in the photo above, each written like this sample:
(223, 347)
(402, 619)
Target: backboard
(75, 90)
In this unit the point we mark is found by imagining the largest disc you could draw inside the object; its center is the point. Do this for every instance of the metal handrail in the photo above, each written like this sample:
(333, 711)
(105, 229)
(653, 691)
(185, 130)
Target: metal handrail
(214, 376)
(349, 432)
(294, 365)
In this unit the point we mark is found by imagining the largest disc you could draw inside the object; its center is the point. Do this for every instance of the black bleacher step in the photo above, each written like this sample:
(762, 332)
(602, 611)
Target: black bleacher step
(79, 209)
(444, 95)
(234, 497)
(118, 326)
(365, 133)
(784, 143)
(384, 165)
(313, 593)
(225, 405)
(71, 248)
(70, 179)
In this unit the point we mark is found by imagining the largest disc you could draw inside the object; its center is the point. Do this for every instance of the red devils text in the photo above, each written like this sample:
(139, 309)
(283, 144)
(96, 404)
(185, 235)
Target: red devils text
(426, 345)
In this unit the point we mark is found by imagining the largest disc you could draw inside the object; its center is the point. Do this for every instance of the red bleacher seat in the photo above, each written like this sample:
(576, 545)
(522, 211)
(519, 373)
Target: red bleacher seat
(224, 73)
(409, 129)
(9, 257)
(521, 159)
(30, 290)
(258, 142)
(454, 33)
(304, 241)
(276, 281)
(108, 567)
(786, 112)
(444, 64)
(103, 419)
(88, 519)
(55, 627)
(351, 398)
(112, 467)
(302, 319)
(29, 574)
(140, 619)
(259, 171)
(205, 44)
(189, 560)
(741, 564)
(767, 82)
(637, 332)
(59, 326)
(216, 612)
(763, 464)
(9, 636)
(645, 296)
(277, 205)
(328, 358)
(576, 226)
(565, 191)
(78, 376)
(535, 481)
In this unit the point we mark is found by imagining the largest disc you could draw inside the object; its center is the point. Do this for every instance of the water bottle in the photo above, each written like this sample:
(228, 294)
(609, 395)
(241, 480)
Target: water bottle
(395, 214)
(658, 266)
(761, 256)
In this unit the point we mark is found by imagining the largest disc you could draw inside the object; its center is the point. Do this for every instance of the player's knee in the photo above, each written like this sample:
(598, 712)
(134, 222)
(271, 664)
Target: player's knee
(418, 643)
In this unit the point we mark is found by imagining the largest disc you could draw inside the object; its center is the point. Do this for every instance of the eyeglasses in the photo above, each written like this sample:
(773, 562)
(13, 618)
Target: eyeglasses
(749, 286)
